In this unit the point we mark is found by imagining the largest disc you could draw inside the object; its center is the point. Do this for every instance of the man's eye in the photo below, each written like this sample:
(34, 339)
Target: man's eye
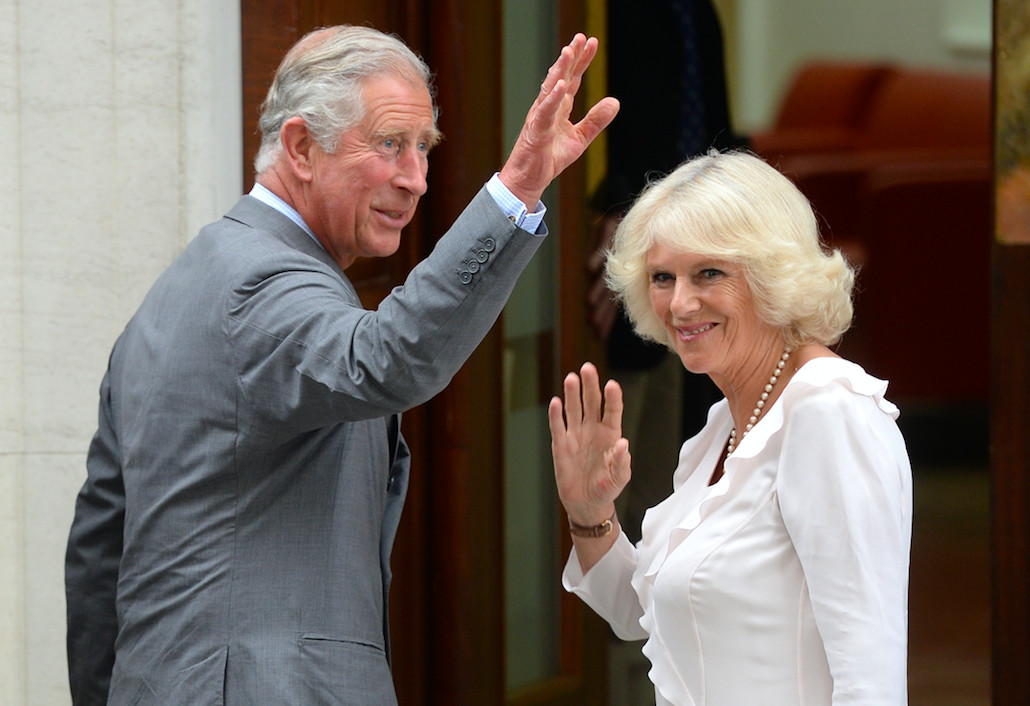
(390, 143)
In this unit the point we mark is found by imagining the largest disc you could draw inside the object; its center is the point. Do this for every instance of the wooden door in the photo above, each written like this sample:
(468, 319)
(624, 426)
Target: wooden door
(447, 602)
(1010, 359)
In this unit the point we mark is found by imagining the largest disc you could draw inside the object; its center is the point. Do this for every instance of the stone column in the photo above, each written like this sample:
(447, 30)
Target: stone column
(119, 137)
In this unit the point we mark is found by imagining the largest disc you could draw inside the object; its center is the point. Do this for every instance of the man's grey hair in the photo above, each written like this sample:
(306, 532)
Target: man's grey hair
(321, 80)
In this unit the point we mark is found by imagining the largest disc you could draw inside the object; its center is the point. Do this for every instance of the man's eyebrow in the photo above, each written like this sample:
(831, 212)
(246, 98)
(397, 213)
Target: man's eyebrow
(432, 136)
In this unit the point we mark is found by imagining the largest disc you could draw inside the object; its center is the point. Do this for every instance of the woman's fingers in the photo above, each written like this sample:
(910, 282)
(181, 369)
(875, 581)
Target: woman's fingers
(591, 459)
(613, 406)
(586, 402)
(556, 419)
(573, 402)
(618, 459)
(591, 393)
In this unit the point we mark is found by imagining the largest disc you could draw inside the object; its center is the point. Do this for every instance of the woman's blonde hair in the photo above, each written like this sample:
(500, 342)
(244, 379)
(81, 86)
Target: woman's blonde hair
(733, 206)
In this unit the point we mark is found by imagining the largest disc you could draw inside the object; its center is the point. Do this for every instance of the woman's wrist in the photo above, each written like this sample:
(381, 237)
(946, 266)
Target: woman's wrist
(593, 529)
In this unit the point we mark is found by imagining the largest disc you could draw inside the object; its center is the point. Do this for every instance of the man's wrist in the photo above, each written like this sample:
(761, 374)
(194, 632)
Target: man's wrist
(514, 208)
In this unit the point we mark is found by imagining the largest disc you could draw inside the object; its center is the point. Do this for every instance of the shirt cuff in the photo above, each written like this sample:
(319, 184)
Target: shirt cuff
(514, 209)
(604, 574)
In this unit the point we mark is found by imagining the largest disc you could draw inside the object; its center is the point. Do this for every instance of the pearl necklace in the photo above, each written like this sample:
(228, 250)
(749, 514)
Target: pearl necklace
(780, 364)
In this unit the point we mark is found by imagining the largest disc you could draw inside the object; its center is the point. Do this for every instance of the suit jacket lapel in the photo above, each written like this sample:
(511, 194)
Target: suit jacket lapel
(255, 214)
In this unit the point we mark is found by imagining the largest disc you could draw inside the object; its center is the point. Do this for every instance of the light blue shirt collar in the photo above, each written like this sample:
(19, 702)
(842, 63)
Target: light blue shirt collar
(265, 196)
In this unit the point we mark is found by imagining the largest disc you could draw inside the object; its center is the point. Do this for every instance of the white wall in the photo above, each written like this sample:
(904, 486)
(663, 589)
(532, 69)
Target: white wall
(772, 37)
(120, 123)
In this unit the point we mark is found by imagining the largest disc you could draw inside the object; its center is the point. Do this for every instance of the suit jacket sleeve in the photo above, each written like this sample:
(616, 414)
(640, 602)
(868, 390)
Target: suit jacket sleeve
(91, 565)
(305, 343)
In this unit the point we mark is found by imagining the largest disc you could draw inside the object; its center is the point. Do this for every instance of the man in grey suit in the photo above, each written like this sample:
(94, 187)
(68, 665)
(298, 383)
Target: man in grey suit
(231, 543)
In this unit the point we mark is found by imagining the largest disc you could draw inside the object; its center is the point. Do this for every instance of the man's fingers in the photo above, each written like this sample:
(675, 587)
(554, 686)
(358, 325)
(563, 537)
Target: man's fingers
(582, 61)
(598, 118)
(564, 66)
(586, 53)
(546, 112)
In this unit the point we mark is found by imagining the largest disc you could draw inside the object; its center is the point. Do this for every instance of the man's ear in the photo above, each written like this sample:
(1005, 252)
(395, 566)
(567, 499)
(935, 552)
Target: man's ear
(297, 147)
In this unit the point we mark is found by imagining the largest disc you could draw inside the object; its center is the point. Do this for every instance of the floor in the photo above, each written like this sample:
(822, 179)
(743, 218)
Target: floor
(949, 598)
(949, 606)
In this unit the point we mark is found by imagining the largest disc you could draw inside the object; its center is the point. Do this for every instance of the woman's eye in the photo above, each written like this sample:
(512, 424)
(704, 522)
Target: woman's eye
(710, 273)
(660, 277)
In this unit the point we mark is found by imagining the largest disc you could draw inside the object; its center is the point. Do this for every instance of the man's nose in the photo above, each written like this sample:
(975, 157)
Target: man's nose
(412, 167)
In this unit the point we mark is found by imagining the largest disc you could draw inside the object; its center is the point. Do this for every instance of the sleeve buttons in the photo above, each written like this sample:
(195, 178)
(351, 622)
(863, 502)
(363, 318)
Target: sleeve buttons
(480, 255)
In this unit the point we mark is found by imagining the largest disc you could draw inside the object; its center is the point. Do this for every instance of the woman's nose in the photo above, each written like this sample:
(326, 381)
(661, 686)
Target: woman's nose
(684, 299)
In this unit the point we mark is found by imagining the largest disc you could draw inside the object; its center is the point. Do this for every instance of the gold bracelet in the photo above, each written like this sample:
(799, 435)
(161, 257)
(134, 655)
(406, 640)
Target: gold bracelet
(600, 530)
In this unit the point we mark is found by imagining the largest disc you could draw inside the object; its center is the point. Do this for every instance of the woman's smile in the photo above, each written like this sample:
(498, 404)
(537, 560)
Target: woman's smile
(693, 332)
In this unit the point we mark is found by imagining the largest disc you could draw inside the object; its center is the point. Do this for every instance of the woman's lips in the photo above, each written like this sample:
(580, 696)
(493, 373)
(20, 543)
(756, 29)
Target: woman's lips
(687, 334)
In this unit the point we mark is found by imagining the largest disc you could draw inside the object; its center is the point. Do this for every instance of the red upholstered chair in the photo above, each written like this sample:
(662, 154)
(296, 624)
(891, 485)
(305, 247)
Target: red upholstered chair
(922, 314)
(915, 115)
(926, 109)
(825, 108)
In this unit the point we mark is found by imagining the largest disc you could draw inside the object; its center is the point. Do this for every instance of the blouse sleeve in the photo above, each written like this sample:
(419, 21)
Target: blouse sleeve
(607, 588)
(845, 493)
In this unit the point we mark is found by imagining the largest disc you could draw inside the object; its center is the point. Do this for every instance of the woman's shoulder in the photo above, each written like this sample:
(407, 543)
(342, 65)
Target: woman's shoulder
(833, 380)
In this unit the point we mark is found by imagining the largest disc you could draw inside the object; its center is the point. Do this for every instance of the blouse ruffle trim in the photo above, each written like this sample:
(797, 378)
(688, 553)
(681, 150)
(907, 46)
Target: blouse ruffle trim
(818, 373)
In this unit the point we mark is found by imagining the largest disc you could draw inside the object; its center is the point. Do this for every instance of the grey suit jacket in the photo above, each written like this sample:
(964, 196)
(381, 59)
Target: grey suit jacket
(231, 543)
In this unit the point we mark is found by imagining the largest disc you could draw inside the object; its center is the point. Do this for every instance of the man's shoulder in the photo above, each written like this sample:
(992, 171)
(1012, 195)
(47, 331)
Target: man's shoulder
(251, 232)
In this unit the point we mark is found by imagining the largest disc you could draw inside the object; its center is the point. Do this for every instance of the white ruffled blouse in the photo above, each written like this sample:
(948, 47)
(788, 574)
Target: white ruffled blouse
(786, 582)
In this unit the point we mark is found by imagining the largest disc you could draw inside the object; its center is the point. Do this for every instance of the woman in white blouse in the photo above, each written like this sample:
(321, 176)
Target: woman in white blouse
(776, 572)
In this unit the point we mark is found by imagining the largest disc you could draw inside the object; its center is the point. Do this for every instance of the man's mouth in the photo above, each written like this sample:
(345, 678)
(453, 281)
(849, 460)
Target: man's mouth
(398, 218)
